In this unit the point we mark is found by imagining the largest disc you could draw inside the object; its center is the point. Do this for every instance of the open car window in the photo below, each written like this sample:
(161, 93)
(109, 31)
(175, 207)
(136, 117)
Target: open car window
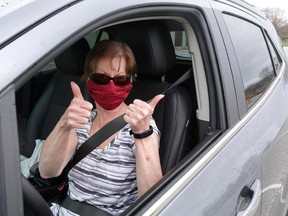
(180, 44)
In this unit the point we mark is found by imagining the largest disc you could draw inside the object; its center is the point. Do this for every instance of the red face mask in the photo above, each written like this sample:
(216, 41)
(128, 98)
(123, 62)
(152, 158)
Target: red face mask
(108, 96)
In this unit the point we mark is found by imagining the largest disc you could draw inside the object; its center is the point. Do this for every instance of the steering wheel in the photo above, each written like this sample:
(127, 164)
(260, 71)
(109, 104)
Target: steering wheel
(33, 200)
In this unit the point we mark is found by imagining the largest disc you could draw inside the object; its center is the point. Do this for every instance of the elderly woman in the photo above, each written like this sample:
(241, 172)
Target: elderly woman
(124, 166)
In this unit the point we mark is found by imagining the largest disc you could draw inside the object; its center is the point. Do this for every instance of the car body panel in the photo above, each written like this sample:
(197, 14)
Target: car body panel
(14, 26)
(273, 149)
(244, 163)
(10, 186)
(240, 167)
(271, 144)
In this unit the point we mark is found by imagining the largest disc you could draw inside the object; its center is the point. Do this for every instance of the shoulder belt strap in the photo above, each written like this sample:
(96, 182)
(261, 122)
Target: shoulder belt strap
(99, 137)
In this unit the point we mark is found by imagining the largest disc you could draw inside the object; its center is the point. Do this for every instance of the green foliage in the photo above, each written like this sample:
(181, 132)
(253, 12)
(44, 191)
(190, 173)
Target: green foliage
(285, 42)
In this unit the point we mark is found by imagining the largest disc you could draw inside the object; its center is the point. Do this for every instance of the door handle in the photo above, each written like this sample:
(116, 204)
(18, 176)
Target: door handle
(249, 199)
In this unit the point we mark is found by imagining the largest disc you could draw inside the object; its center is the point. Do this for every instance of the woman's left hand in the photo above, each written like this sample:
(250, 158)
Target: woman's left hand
(139, 113)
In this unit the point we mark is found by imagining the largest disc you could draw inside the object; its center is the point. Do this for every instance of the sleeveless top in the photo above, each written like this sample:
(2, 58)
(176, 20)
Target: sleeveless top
(105, 178)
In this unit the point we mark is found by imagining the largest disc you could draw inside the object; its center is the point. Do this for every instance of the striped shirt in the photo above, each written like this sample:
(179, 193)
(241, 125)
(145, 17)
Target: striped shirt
(106, 178)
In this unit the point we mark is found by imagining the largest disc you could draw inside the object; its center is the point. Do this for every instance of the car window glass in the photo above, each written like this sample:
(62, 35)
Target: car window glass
(95, 36)
(104, 36)
(50, 66)
(275, 56)
(253, 57)
(180, 44)
(91, 38)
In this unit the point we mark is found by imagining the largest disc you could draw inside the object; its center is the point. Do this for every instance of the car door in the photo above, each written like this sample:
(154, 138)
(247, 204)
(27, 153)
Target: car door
(10, 186)
(244, 171)
(225, 178)
(262, 93)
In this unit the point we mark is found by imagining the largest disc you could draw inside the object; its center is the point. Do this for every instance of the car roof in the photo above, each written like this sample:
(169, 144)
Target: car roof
(35, 11)
(30, 11)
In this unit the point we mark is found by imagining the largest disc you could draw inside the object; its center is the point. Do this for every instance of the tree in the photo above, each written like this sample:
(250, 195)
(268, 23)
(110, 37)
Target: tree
(280, 23)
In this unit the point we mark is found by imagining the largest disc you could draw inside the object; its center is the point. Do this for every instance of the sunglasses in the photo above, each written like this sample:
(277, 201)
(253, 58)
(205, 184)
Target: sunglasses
(103, 79)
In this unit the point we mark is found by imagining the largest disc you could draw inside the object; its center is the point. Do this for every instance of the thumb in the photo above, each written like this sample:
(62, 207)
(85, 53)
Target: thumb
(155, 100)
(76, 90)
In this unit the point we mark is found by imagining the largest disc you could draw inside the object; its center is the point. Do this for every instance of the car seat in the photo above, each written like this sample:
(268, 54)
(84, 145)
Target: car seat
(155, 57)
(58, 95)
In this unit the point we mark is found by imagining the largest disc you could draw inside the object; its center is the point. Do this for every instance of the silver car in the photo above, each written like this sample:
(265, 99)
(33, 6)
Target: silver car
(224, 143)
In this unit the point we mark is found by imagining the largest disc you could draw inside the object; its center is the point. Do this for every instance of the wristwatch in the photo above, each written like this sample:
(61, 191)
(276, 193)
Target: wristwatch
(144, 134)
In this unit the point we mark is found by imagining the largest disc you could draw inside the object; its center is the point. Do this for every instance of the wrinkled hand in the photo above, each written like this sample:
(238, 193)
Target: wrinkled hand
(139, 113)
(79, 110)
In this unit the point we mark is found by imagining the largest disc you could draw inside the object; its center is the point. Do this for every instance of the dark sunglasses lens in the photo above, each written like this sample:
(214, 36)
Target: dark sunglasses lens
(121, 80)
(100, 79)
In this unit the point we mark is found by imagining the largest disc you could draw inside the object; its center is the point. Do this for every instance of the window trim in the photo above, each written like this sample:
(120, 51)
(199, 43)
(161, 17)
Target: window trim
(269, 40)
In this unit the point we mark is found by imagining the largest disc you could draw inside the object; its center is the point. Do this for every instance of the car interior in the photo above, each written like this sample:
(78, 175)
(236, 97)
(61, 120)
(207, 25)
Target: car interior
(163, 54)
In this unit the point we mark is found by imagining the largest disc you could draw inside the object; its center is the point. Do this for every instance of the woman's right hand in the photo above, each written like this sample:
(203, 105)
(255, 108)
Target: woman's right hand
(61, 143)
(78, 112)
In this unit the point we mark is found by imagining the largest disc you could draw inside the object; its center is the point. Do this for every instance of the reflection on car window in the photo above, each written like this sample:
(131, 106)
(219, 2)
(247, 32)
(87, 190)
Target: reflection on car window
(253, 57)
(50, 66)
(180, 44)
(275, 56)
(104, 36)
(95, 36)
(91, 38)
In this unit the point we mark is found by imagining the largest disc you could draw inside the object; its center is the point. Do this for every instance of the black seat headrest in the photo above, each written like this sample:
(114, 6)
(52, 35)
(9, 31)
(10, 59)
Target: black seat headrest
(151, 43)
(72, 60)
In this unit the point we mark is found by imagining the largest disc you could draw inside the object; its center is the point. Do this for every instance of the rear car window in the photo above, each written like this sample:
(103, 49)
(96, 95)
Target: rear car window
(253, 57)
(180, 43)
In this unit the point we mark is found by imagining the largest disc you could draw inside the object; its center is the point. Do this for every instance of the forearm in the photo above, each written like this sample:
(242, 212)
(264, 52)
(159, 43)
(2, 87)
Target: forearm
(61, 144)
(57, 151)
(148, 166)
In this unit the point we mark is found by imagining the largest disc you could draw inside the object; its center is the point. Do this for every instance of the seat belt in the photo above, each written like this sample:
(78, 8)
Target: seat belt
(99, 137)
(82, 208)
(188, 74)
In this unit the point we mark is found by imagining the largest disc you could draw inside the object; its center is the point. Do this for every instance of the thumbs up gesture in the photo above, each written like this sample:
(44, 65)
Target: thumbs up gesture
(79, 110)
(139, 113)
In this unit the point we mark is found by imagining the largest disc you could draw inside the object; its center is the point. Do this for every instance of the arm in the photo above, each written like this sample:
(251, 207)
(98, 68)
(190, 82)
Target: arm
(57, 151)
(148, 168)
(61, 144)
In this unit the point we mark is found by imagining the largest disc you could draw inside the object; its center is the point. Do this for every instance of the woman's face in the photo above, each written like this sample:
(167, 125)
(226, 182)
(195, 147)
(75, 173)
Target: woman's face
(109, 85)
